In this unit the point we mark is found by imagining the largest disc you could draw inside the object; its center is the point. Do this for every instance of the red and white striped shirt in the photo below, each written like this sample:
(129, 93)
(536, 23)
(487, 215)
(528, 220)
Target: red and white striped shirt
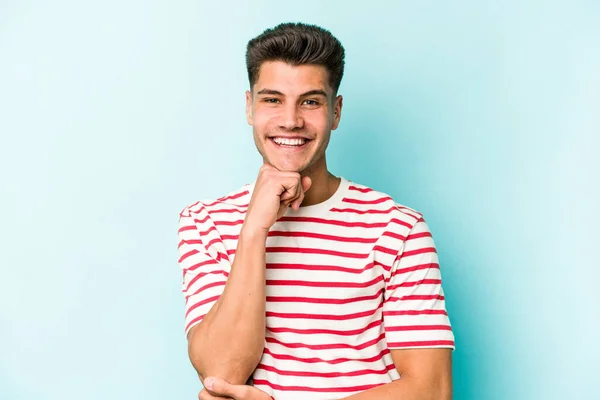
(347, 280)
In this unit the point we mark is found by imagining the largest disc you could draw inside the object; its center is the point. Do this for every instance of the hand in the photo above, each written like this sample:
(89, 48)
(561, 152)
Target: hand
(217, 389)
(274, 191)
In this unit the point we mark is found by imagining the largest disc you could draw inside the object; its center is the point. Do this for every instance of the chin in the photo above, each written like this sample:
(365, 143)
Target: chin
(287, 167)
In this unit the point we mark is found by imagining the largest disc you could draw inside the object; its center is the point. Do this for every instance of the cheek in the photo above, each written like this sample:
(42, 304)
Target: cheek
(317, 122)
(262, 118)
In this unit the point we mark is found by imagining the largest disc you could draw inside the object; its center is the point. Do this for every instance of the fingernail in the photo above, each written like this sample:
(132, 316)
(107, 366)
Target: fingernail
(208, 383)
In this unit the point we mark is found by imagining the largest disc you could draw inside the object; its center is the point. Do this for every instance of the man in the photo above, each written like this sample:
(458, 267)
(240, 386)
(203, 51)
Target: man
(304, 285)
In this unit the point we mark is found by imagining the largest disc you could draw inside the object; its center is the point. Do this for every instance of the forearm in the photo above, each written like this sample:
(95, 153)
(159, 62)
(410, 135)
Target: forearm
(408, 388)
(230, 339)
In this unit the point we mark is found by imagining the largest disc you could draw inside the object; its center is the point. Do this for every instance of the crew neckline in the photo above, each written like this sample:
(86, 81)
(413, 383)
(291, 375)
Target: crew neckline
(319, 208)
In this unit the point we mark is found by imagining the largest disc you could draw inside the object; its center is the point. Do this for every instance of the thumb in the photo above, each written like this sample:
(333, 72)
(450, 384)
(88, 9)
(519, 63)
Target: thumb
(220, 387)
(306, 183)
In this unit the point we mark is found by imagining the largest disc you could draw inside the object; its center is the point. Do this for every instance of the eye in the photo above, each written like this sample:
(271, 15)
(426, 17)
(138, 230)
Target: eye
(311, 102)
(271, 100)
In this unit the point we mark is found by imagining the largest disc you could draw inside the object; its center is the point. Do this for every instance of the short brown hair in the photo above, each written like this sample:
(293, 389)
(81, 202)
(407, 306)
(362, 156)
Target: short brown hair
(296, 44)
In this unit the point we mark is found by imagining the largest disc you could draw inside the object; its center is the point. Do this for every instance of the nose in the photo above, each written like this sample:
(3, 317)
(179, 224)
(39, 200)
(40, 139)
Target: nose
(291, 118)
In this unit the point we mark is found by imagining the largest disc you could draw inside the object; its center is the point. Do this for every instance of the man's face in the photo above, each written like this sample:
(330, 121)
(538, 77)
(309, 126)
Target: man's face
(292, 111)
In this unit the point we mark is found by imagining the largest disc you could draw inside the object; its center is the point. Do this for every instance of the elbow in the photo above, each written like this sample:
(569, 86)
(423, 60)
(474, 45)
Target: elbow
(233, 366)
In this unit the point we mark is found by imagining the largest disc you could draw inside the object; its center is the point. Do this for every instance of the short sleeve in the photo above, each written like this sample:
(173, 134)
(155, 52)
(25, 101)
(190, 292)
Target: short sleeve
(414, 308)
(204, 264)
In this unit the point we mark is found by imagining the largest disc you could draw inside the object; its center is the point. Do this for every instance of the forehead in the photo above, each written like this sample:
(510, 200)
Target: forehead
(286, 78)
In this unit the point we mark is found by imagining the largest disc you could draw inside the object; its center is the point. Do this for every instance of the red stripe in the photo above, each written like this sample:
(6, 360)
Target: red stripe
(213, 284)
(306, 250)
(188, 208)
(327, 346)
(188, 254)
(414, 312)
(360, 201)
(326, 331)
(400, 222)
(418, 235)
(360, 372)
(201, 264)
(336, 389)
(209, 230)
(385, 250)
(418, 328)
(413, 269)
(415, 283)
(314, 360)
(321, 236)
(291, 299)
(187, 228)
(200, 275)
(202, 302)
(370, 211)
(291, 282)
(201, 221)
(314, 236)
(192, 322)
(225, 198)
(417, 267)
(358, 189)
(417, 297)
(336, 222)
(198, 210)
(418, 251)
(422, 343)
(189, 242)
(226, 211)
(229, 223)
(336, 317)
(394, 235)
(215, 240)
(315, 267)
(223, 256)
(411, 213)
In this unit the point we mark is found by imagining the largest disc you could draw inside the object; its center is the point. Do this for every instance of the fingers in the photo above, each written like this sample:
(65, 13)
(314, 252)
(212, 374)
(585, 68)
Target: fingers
(221, 388)
(306, 183)
(205, 395)
(292, 185)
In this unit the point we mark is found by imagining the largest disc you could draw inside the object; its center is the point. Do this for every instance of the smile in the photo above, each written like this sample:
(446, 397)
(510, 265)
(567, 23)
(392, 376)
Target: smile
(289, 142)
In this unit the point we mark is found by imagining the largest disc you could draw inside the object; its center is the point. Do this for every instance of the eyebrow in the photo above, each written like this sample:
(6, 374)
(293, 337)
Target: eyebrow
(309, 93)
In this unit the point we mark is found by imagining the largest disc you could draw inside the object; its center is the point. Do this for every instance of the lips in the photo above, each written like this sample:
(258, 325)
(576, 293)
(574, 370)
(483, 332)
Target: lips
(289, 142)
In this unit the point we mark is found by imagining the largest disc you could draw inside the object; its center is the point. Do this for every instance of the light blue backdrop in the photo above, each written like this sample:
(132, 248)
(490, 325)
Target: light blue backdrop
(115, 115)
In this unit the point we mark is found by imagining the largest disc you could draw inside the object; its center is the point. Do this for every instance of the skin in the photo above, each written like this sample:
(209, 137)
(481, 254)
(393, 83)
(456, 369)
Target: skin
(296, 101)
(291, 101)
(285, 101)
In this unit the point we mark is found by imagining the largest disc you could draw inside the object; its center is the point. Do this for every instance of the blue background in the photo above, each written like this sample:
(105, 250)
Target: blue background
(115, 115)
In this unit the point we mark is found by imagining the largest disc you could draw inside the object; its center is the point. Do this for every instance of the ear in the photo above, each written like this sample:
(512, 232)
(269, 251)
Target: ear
(249, 107)
(337, 112)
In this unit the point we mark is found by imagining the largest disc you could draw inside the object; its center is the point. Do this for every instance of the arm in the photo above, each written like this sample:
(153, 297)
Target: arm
(425, 374)
(417, 327)
(215, 346)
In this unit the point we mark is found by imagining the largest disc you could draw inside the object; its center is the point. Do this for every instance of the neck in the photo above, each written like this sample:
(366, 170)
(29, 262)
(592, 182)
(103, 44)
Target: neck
(324, 184)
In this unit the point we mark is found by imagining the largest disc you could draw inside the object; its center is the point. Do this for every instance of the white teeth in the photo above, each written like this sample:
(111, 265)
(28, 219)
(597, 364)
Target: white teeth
(289, 142)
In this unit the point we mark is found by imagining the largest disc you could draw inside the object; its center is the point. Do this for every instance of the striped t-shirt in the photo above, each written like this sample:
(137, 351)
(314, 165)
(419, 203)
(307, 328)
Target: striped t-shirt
(347, 280)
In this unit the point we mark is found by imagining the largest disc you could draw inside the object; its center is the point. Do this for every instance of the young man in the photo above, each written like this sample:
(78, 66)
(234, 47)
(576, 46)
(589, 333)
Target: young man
(304, 285)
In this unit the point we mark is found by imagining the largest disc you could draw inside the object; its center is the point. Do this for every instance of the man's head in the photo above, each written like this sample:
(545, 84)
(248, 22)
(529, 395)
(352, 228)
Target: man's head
(295, 71)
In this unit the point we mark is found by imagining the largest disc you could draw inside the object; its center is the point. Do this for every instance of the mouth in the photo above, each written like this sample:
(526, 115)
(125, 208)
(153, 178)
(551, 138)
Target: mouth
(290, 143)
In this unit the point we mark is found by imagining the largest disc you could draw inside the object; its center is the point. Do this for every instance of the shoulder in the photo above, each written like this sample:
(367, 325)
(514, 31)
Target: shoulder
(236, 200)
(371, 201)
